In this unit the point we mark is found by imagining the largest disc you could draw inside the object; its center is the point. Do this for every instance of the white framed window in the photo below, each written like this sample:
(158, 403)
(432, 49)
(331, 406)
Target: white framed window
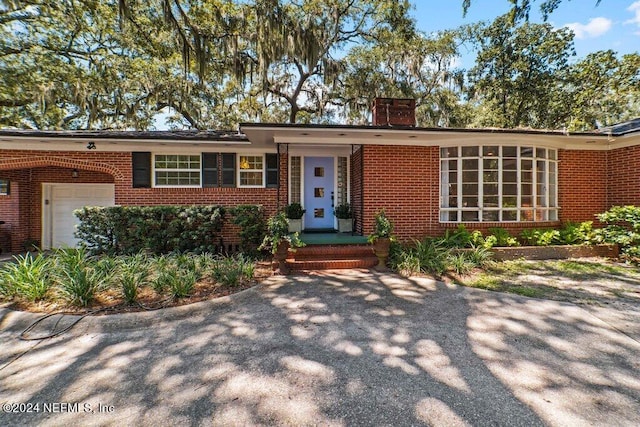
(493, 183)
(251, 171)
(177, 170)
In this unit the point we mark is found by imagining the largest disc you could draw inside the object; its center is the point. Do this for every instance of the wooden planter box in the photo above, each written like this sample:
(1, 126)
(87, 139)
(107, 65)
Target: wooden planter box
(554, 252)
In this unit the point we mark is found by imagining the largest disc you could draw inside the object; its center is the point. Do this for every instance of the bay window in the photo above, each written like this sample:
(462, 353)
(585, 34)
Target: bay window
(493, 183)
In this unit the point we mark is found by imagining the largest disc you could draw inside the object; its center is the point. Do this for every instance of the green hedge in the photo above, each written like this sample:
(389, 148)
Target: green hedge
(155, 229)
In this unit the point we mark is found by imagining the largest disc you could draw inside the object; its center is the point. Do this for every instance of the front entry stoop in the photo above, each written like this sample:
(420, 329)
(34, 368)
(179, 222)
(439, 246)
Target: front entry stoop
(329, 257)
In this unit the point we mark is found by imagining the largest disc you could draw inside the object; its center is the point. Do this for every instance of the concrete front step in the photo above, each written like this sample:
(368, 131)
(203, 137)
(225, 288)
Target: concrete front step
(332, 264)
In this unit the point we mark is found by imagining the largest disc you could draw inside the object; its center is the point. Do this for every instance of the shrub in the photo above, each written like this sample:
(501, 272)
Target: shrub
(27, 276)
(623, 228)
(540, 237)
(343, 211)
(77, 277)
(294, 211)
(500, 237)
(231, 271)
(251, 220)
(181, 282)
(156, 229)
(382, 228)
(577, 233)
(463, 238)
(133, 273)
(278, 232)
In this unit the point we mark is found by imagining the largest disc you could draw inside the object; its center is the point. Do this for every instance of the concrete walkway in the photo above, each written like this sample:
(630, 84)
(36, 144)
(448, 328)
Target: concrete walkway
(341, 348)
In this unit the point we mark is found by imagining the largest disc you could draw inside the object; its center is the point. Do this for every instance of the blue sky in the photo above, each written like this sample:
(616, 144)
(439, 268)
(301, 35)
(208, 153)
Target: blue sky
(614, 24)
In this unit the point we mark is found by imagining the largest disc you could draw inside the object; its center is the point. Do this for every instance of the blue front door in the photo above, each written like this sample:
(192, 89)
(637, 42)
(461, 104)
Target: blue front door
(318, 192)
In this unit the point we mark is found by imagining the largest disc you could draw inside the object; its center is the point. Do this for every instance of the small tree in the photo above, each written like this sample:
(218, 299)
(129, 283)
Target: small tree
(623, 228)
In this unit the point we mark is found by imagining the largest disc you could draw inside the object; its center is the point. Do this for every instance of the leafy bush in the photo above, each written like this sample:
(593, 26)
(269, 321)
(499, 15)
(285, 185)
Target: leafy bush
(253, 226)
(278, 232)
(500, 237)
(623, 228)
(463, 238)
(571, 233)
(382, 228)
(540, 237)
(343, 211)
(577, 233)
(294, 211)
(77, 277)
(27, 276)
(156, 229)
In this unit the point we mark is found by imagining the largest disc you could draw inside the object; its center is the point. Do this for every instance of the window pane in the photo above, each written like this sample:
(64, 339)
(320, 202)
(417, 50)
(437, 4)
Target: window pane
(510, 177)
(526, 215)
(453, 202)
(510, 189)
(553, 155)
(509, 151)
(490, 189)
(541, 153)
(490, 216)
(491, 151)
(490, 164)
(509, 202)
(470, 151)
(526, 151)
(470, 176)
(449, 152)
(490, 176)
(509, 164)
(470, 216)
(470, 189)
(490, 202)
(470, 164)
(250, 178)
(470, 202)
(509, 215)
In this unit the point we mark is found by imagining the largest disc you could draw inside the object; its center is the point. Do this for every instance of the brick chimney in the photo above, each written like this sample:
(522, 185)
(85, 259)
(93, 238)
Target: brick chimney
(394, 112)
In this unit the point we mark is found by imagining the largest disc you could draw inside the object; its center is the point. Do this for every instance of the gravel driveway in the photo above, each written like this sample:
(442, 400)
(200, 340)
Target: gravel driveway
(334, 348)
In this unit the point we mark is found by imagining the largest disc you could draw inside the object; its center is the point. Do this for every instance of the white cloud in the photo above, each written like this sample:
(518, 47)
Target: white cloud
(634, 8)
(595, 28)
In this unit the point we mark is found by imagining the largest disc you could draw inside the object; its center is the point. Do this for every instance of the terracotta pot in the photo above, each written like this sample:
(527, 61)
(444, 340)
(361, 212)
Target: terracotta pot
(381, 250)
(280, 257)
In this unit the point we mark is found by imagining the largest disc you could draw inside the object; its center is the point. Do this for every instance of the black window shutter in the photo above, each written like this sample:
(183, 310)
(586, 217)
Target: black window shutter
(141, 167)
(272, 170)
(228, 169)
(209, 170)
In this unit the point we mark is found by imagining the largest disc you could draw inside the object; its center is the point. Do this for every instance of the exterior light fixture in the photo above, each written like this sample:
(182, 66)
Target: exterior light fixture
(75, 173)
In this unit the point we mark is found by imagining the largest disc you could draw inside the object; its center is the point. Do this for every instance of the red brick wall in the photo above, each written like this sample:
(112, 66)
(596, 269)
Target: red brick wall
(29, 169)
(582, 184)
(624, 176)
(404, 181)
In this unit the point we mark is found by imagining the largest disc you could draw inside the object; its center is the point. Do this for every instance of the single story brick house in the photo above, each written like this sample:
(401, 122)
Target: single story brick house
(427, 179)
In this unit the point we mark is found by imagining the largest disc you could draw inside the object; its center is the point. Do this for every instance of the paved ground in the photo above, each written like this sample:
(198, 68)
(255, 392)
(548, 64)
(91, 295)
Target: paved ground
(354, 348)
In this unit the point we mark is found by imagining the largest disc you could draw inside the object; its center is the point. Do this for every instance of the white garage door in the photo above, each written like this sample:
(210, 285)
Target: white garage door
(60, 202)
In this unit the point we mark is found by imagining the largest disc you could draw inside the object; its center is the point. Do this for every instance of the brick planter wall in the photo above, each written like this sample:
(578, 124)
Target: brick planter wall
(555, 252)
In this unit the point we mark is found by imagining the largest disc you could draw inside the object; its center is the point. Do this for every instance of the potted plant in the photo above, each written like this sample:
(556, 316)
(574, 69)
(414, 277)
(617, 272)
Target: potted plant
(294, 213)
(381, 238)
(279, 241)
(345, 218)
